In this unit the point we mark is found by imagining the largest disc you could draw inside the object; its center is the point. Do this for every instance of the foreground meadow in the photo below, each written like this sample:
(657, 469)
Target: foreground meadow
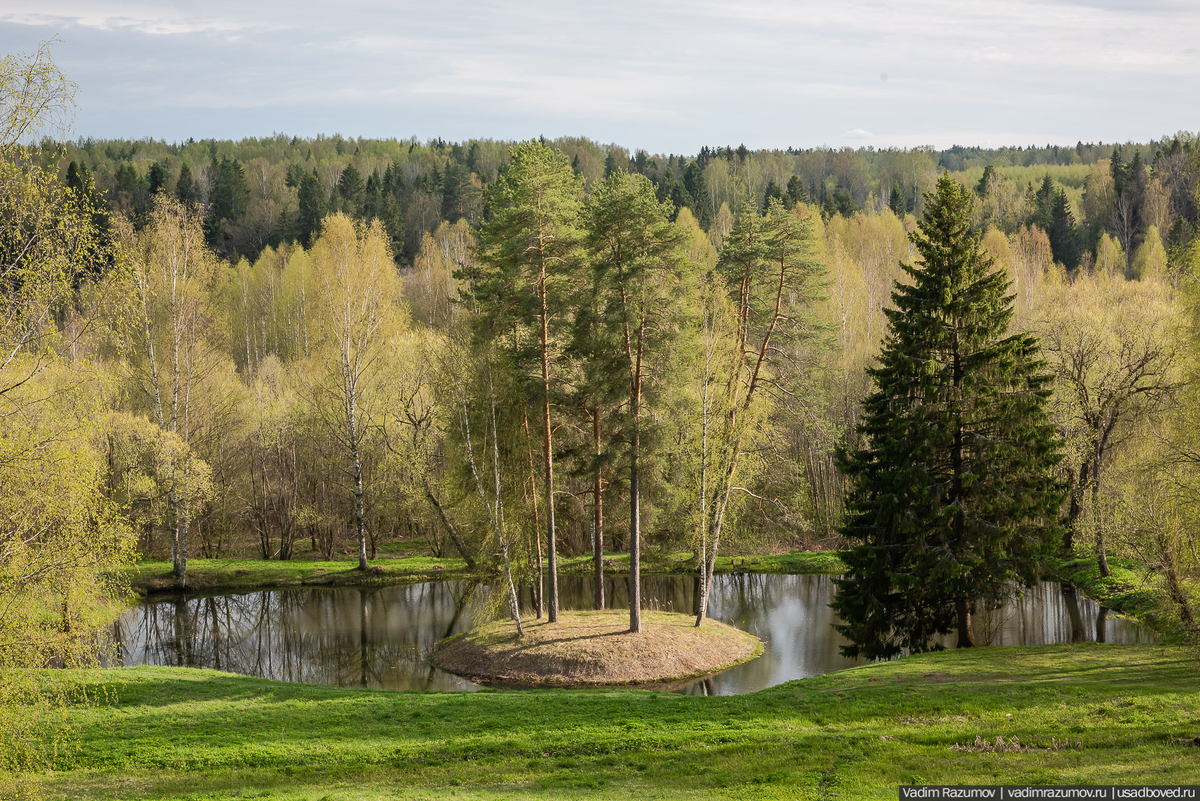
(1066, 714)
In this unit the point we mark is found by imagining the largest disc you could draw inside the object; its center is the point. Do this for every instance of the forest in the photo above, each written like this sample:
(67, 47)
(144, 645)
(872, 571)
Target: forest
(332, 356)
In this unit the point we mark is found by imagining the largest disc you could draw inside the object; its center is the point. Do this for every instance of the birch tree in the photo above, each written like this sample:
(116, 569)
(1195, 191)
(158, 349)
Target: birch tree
(771, 266)
(360, 293)
(63, 544)
(172, 271)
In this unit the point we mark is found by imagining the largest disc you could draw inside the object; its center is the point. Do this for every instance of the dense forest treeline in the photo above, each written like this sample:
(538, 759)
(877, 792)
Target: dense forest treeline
(265, 192)
(302, 437)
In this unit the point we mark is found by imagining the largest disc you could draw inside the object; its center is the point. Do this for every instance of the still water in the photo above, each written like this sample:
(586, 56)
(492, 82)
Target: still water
(379, 637)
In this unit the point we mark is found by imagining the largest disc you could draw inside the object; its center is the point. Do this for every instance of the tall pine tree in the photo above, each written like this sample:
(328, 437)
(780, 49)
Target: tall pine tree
(529, 252)
(641, 277)
(954, 492)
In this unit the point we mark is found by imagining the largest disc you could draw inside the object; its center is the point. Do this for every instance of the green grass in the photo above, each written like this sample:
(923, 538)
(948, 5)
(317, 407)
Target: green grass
(1129, 590)
(250, 574)
(682, 562)
(253, 574)
(178, 733)
(807, 562)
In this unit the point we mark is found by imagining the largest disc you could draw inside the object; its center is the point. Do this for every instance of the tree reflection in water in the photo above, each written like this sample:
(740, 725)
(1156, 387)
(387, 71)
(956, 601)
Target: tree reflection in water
(380, 636)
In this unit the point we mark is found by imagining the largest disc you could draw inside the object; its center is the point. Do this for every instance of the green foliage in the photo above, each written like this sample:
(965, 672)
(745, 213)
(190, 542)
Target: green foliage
(530, 244)
(312, 207)
(62, 542)
(185, 186)
(954, 493)
(642, 280)
(228, 200)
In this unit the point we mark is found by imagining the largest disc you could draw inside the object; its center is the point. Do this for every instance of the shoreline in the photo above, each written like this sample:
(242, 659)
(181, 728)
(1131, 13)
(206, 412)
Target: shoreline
(153, 577)
(1126, 593)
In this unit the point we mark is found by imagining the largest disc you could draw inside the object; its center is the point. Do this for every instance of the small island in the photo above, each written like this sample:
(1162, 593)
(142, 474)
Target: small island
(595, 648)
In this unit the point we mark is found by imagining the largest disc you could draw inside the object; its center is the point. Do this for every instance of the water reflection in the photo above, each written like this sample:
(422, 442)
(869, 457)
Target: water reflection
(379, 637)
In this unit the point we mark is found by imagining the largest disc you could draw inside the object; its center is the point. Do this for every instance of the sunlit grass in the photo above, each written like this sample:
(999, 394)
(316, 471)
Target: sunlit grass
(251, 574)
(179, 733)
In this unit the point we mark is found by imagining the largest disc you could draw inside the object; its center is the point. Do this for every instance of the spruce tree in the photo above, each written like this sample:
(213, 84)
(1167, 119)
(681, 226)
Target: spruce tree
(896, 200)
(1063, 233)
(795, 190)
(350, 187)
(312, 204)
(697, 188)
(954, 493)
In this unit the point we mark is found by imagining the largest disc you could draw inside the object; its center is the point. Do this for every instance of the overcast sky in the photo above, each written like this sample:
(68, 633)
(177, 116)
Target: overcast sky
(666, 75)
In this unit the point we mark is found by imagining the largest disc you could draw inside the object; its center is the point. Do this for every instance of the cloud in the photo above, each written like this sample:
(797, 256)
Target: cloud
(153, 26)
(667, 75)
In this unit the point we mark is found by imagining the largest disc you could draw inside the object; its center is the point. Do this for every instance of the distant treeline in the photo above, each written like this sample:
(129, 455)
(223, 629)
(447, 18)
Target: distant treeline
(259, 193)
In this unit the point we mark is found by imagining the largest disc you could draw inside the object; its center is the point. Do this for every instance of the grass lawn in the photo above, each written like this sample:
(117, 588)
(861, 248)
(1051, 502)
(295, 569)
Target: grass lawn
(1129, 590)
(252, 574)
(178, 733)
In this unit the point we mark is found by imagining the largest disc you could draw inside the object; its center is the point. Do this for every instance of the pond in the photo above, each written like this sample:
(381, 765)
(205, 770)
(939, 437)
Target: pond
(380, 636)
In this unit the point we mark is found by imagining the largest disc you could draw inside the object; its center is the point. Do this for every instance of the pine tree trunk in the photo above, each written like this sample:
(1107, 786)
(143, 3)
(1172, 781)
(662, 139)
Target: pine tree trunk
(635, 500)
(548, 452)
(635, 536)
(597, 520)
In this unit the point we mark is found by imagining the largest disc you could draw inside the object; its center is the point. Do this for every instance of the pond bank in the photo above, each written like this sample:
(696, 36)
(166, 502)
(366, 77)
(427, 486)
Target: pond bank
(1126, 592)
(1129, 591)
(231, 575)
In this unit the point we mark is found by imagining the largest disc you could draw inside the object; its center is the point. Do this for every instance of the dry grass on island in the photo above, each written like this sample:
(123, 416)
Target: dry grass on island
(596, 649)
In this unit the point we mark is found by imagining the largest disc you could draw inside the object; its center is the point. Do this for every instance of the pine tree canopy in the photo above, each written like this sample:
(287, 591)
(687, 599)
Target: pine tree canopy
(954, 492)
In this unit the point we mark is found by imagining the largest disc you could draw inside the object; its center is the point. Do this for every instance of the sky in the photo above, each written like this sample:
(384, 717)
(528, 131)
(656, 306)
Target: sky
(665, 75)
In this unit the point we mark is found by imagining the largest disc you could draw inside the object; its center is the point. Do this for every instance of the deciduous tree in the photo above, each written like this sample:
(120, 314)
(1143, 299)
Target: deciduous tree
(360, 293)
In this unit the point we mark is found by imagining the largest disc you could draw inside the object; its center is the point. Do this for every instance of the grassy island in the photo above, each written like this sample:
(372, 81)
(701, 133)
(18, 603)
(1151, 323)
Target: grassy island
(596, 649)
